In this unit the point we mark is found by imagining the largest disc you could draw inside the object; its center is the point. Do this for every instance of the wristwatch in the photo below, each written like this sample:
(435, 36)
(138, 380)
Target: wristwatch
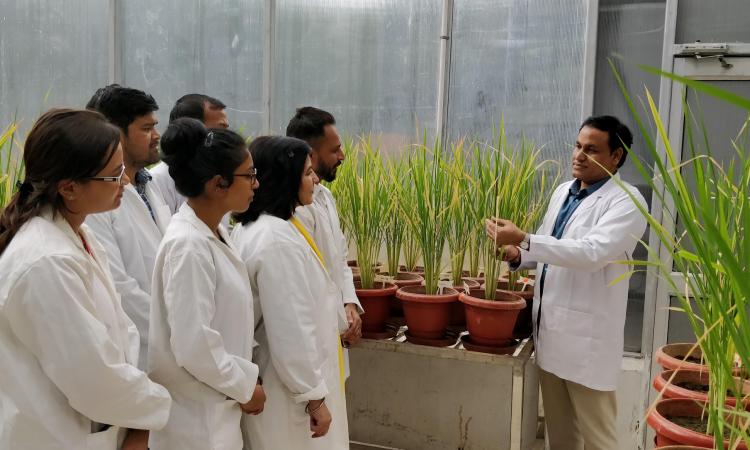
(525, 242)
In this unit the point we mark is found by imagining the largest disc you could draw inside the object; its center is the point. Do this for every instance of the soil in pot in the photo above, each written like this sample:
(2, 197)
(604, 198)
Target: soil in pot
(376, 302)
(426, 315)
(491, 322)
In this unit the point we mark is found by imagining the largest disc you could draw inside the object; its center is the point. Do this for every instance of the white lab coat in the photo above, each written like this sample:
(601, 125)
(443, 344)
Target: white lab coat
(165, 184)
(298, 322)
(322, 221)
(321, 218)
(201, 339)
(131, 237)
(580, 337)
(68, 349)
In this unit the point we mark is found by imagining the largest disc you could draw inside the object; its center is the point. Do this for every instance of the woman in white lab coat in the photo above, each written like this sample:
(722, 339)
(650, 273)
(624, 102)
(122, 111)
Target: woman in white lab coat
(301, 313)
(68, 349)
(201, 333)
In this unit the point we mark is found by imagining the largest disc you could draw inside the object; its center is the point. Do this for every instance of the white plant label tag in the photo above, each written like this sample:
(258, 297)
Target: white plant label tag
(526, 281)
(383, 279)
(466, 287)
(442, 284)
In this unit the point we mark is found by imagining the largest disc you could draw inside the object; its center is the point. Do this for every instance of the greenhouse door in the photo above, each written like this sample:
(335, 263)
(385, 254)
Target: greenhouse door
(723, 66)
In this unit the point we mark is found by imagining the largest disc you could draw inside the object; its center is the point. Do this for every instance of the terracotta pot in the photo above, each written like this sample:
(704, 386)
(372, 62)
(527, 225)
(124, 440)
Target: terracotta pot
(352, 263)
(672, 356)
(376, 302)
(403, 279)
(458, 312)
(426, 315)
(523, 327)
(667, 382)
(419, 270)
(669, 433)
(491, 322)
(681, 447)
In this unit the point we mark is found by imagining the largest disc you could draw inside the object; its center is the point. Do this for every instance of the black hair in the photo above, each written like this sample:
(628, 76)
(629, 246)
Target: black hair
(196, 154)
(619, 133)
(280, 162)
(93, 103)
(309, 123)
(122, 105)
(63, 144)
(193, 105)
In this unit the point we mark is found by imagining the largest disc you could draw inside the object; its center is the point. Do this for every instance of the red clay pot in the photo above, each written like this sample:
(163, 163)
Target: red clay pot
(376, 302)
(524, 325)
(458, 312)
(671, 357)
(426, 315)
(681, 447)
(669, 433)
(402, 279)
(667, 381)
(491, 322)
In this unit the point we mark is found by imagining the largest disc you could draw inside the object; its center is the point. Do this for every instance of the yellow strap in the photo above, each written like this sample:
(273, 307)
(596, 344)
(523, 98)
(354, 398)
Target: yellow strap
(301, 228)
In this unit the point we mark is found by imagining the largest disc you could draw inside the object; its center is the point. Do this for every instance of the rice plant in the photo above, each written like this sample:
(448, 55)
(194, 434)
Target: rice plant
(11, 169)
(713, 251)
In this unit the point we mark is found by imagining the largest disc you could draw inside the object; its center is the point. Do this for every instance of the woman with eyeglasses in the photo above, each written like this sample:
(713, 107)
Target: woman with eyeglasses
(69, 352)
(201, 332)
(301, 313)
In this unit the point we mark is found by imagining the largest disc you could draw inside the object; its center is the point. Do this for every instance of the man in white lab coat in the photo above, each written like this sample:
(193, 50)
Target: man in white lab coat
(591, 225)
(210, 111)
(131, 233)
(318, 129)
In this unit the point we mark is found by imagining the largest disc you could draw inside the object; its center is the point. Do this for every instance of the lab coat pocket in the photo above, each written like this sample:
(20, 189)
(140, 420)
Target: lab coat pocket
(569, 322)
(103, 440)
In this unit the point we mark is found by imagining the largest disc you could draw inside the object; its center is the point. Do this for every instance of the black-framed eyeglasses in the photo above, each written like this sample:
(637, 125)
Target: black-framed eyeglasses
(117, 179)
(252, 175)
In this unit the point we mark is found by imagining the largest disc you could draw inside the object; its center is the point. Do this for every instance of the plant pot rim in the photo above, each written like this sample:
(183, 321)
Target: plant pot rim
(510, 302)
(666, 360)
(670, 389)
(389, 289)
(417, 294)
(404, 276)
(674, 432)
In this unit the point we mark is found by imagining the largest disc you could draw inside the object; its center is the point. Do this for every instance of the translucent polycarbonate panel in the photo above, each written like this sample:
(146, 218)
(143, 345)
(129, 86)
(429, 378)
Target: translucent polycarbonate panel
(725, 127)
(713, 21)
(214, 47)
(630, 34)
(52, 53)
(521, 61)
(372, 63)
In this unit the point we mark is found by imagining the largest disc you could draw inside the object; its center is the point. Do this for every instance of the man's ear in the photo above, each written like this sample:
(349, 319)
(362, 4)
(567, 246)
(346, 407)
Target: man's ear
(618, 154)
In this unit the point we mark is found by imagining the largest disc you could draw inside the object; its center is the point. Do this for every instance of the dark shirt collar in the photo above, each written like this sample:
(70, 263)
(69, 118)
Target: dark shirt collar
(576, 191)
(141, 178)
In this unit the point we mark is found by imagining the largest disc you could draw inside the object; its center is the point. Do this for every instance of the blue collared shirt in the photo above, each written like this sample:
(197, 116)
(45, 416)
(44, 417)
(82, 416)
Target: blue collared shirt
(571, 203)
(141, 178)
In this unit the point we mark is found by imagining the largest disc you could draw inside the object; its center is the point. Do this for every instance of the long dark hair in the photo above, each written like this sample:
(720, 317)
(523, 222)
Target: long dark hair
(195, 154)
(64, 144)
(279, 161)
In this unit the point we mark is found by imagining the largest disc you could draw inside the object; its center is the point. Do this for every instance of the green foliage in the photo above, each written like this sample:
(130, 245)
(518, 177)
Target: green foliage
(713, 251)
(365, 203)
(11, 165)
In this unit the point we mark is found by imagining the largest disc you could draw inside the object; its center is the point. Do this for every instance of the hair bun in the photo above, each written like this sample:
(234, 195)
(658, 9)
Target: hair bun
(181, 140)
